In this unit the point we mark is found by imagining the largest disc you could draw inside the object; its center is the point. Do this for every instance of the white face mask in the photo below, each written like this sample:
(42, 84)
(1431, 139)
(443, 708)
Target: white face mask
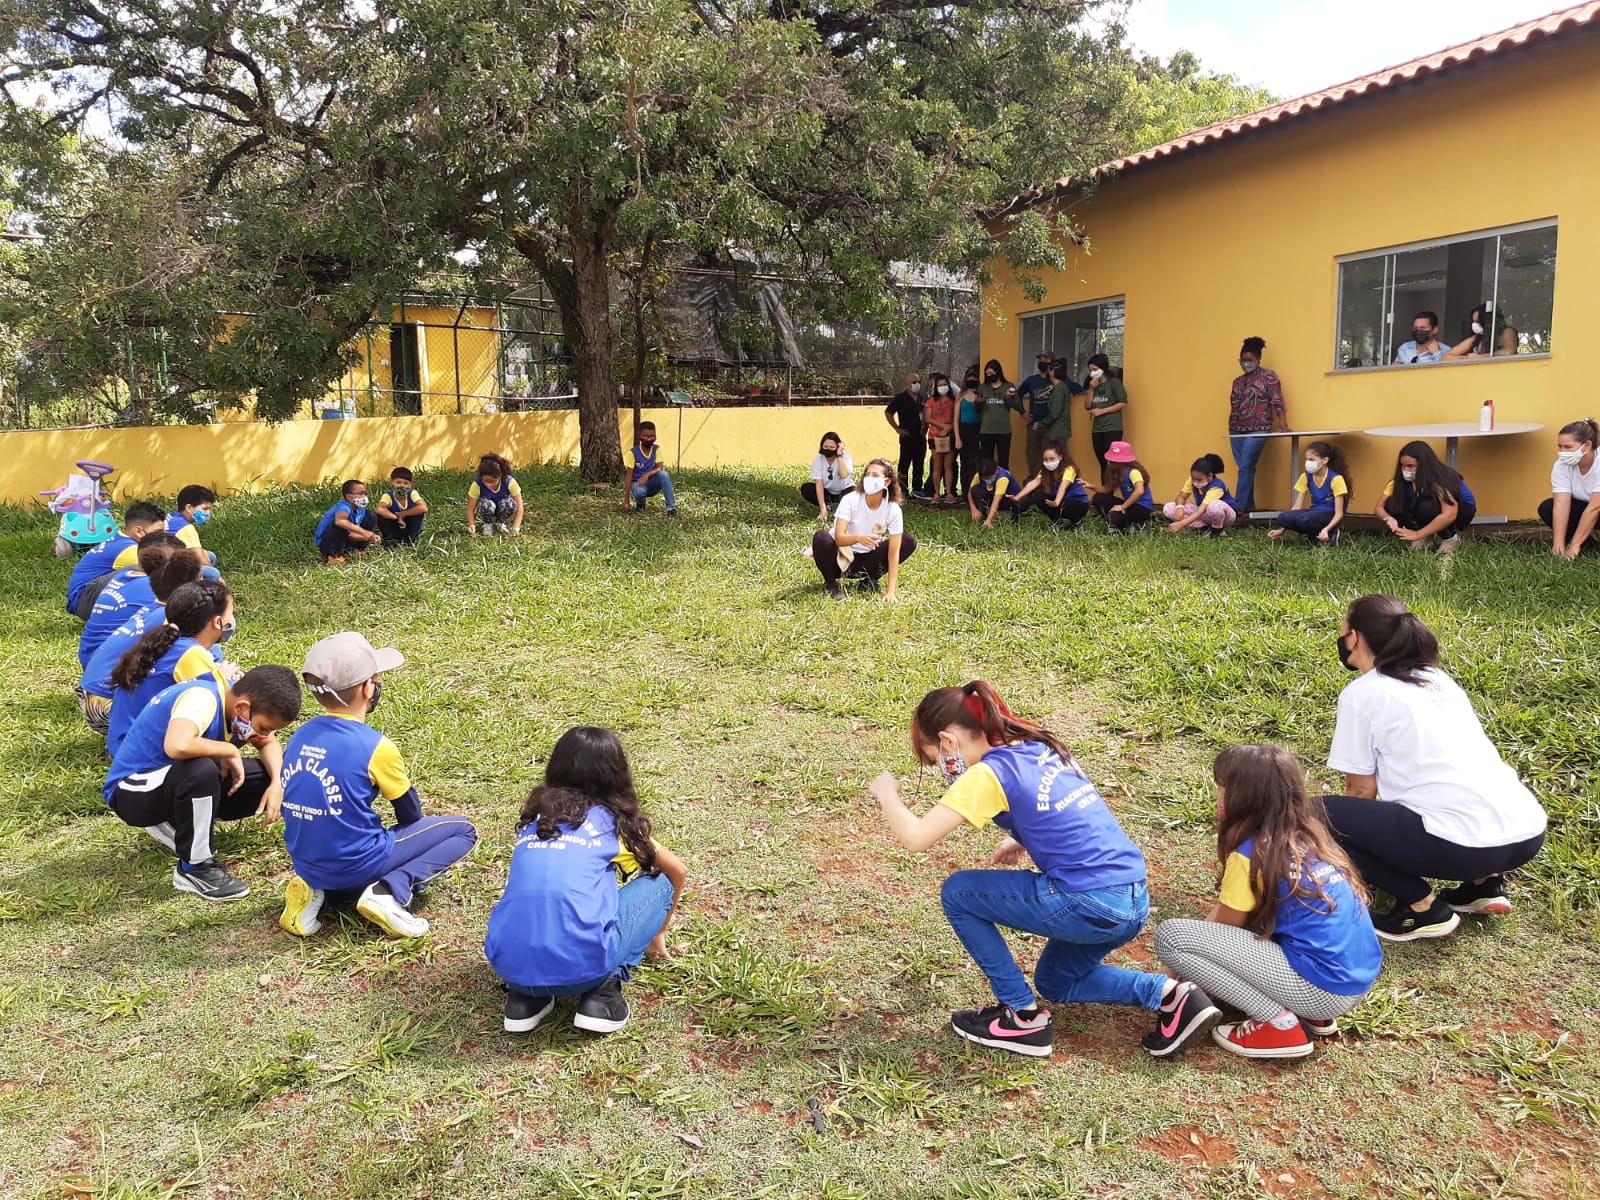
(1052, 464)
(943, 390)
(873, 484)
(1313, 467)
(1569, 458)
(916, 388)
(1408, 476)
(359, 501)
(1477, 327)
(1095, 373)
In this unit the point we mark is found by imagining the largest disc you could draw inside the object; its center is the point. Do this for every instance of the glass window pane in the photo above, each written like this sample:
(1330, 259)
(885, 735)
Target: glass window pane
(1527, 288)
(1033, 329)
(1113, 315)
(1362, 338)
(1419, 286)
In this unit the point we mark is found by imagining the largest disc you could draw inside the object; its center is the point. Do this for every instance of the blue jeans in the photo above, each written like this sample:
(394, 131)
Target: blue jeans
(1082, 928)
(424, 849)
(642, 908)
(659, 482)
(1246, 450)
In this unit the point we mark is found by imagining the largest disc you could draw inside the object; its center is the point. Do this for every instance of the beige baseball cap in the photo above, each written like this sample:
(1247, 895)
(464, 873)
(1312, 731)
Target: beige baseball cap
(343, 660)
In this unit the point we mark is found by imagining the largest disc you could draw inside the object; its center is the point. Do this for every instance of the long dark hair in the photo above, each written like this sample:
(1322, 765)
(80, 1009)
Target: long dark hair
(182, 566)
(830, 436)
(995, 364)
(493, 464)
(587, 769)
(1265, 798)
(892, 492)
(1116, 471)
(1053, 478)
(1433, 477)
(977, 708)
(189, 610)
(1401, 644)
(1209, 464)
(1336, 463)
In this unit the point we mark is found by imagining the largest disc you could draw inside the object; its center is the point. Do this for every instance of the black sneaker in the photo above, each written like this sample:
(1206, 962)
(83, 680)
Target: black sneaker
(1186, 1014)
(1000, 1028)
(604, 1010)
(1405, 925)
(1321, 1028)
(523, 1013)
(1486, 897)
(835, 592)
(209, 880)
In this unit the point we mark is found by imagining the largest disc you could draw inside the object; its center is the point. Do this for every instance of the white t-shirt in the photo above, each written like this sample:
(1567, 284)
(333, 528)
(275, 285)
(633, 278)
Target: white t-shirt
(861, 519)
(835, 475)
(1429, 752)
(1573, 482)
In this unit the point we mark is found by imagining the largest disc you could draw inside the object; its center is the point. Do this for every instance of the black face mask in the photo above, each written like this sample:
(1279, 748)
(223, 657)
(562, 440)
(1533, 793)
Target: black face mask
(1421, 335)
(1344, 653)
(377, 695)
(829, 453)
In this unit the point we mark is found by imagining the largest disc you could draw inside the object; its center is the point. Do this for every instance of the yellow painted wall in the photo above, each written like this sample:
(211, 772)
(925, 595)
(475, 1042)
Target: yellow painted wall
(1240, 240)
(478, 344)
(249, 456)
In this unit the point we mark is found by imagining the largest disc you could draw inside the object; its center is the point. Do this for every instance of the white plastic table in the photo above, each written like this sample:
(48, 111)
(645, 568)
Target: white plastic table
(1452, 433)
(1294, 436)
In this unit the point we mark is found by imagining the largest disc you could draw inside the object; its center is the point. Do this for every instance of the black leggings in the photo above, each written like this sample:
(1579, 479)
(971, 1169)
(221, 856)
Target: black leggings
(996, 446)
(872, 564)
(189, 794)
(1394, 851)
(913, 455)
(1102, 440)
(808, 493)
(1070, 510)
(1133, 517)
(1547, 514)
(1422, 511)
(967, 457)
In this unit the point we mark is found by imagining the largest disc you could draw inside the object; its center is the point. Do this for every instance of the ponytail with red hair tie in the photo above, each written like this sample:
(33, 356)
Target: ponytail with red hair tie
(974, 703)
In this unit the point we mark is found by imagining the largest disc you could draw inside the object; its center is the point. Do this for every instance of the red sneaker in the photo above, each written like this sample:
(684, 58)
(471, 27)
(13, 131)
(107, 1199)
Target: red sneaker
(1263, 1039)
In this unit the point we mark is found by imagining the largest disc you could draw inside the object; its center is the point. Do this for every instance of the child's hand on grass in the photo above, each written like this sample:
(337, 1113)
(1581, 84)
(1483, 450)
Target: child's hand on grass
(884, 788)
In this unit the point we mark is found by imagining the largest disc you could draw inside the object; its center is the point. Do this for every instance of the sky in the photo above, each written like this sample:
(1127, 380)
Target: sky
(1293, 47)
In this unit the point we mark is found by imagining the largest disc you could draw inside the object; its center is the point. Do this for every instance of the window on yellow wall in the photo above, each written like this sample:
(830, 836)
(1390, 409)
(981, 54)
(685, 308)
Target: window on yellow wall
(1507, 275)
(1073, 333)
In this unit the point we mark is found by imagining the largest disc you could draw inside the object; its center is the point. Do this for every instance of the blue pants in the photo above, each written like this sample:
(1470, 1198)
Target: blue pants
(642, 908)
(659, 482)
(1246, 451)
(335, 541)
(1082, 928)
(1309, 521)
(393, 535)
(422, 850)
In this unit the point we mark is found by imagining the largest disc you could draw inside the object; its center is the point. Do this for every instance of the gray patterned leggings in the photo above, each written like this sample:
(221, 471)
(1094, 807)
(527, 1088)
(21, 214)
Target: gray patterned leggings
(1237, 967)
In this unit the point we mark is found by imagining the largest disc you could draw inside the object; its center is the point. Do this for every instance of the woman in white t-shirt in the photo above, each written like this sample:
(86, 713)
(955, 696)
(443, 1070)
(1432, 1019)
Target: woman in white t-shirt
(868, 539)
(1574, 505)
(832, 475)
(1450, 807)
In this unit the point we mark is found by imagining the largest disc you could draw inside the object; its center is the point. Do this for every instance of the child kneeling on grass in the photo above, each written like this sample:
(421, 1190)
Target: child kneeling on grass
(348, 525)
(94, 570)
(1205, 504)
(494, 498)
(179, 770)
(401, 510)
(1087, 895)
(336, 766)
(199, 617)
(1289, 941)
(564, 926)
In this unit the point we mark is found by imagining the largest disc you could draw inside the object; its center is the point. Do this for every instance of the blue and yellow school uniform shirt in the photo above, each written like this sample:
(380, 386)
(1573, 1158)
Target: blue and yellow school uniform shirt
(1463, 494)
(101, 560)
(180, 527)
(1048, 805)
(1130, 479)
(97, 673)
(124, 594)
(478, 490)
(397, 504)
(1002, 483)
(350, 511)
(334, 768)
(1322, 494)
(556, 923)
(185, 659)
(642, 462)
(1216, 490)
(1075, 489)
(145, 747)
(1335, 950)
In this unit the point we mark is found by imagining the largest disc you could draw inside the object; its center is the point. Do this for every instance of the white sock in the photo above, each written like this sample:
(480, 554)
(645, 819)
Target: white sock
(1284, 1020)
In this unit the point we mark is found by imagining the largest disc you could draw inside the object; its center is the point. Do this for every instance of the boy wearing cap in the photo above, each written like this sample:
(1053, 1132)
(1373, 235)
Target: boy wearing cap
(335, 767)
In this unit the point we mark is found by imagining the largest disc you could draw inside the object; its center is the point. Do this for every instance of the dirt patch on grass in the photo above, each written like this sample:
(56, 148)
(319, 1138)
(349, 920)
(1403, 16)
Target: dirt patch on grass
(1192, 1145)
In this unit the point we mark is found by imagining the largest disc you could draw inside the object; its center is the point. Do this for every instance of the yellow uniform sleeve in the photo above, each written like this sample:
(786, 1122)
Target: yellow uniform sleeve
(1388, 488)
(387, 771)
(416, 497)
(1341, 488)
(1188, 489)
(1069, 476)
(188, 535)
(473, 491)
(128, 558)
(1300, 484)
(387, 500)
(193, 663)
(1212, 496)
(1236, 891)
(1000, 486)
(198, 705)
(977, 796)
(1136, 476)
(516, 488)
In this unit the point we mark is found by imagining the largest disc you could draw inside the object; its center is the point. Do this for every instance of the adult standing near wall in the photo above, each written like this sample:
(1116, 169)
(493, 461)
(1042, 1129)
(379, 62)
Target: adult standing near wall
(999, 400)
(904, 414)
(1255, 405)
(1450, 806)
(969, 423)
(1104, 398)
(1046, 419)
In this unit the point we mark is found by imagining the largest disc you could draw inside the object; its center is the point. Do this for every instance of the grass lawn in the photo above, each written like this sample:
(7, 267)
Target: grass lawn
(797, 1044)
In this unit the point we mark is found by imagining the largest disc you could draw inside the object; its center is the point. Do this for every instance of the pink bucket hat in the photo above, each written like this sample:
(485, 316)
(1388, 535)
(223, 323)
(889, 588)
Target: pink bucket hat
(1119, 452)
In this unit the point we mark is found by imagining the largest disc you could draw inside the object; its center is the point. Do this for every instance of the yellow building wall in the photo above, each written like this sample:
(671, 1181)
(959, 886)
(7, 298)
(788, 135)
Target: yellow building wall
(477, 341)
(250, 456)
(1240, 240)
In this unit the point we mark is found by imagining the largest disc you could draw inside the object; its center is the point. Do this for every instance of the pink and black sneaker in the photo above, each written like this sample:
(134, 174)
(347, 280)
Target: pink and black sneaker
(1002, 1028)
(1187, 1012)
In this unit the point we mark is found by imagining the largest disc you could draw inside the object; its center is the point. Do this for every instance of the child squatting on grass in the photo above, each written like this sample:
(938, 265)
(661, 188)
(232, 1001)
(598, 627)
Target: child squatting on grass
(199, 617)
(194, 507)
(494, 498)
(1289, 941)
(1204, 504)
(335, 768)
(589, 892)
(1087, 894)
(401, 510)
(350, 525)
(1321, 497)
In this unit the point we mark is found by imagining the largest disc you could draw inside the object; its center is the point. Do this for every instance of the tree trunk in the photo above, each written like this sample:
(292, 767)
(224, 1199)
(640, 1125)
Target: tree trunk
(588, 330)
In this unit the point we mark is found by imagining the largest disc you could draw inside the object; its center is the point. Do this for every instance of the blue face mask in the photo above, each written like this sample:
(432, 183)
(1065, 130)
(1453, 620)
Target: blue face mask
(243, 731)
(202, 515)
(227, 631)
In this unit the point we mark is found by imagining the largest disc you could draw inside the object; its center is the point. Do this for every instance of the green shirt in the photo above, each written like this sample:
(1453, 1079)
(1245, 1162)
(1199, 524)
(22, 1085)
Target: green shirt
(997, 408)
(1108, 393)
(1058, 421)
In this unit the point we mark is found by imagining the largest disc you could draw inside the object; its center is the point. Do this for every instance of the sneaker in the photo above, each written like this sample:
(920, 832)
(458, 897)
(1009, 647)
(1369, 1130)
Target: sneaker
(604, 1010)
(164, 835)
(523, 1013)
(1265, 1039)
(1217, 532)
(1487, 897)
(1450, 544)
(835, 592)
(921, 494)
(301, 905)
(389, 915)
(1188, 1013)
(1321, 1028)
(209, 880)
(502, 528)
(1000, 1028)
(1402, 924)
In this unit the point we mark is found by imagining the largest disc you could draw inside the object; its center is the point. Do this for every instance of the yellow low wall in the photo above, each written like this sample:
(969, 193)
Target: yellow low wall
(250, 456)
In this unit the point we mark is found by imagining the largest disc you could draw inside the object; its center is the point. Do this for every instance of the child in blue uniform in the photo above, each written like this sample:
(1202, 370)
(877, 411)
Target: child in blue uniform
(335, 769)
(348, 526)
(1289, 941)
(194, 507)
(564, 927)
(1205, 504)
(401, 509)
(94, 570)
(645, 475)
(1087, 895)
(1321, 496)
(199, 616)
(494, 498)
(1056, 490)
(1426, 500)
(125, 593)
(1125, 499)
(987, 492)
(179, 770)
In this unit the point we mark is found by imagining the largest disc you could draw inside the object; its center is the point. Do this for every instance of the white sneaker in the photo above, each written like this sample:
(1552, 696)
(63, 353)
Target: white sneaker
(1450, 544)
(502, 528)
(389, 915)
(302, 905)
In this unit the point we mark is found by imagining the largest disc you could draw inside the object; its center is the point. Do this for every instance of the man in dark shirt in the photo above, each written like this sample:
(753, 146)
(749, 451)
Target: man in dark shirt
(904, 414)
(1035, 394)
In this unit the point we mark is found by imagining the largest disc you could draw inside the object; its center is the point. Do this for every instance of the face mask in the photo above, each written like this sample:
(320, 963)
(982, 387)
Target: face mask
(943, 390)
(377, 694)
(1043, 369)
(1052, 464)
(991, 377)
(1477, 327)
(989, 482)
(646, 443)
(1313, 467)
(243, 731)
(402, 496)
(360, 501)
(916, 389)
(201, 516)
(1344, 654)
(952, 766)
(1408, 476)
(1421, 335)
(227, 631)
(1247, 367)
(829, 453)
(873, 484)
(1569, 458)
(1097, 373)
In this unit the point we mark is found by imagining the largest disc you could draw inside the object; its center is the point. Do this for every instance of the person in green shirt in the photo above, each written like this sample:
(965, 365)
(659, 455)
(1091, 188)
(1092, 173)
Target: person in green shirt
(1104, 398)
(999, 399)
(1057, 423)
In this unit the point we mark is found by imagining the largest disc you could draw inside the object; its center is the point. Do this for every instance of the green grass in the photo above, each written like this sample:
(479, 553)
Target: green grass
(796, 1045)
